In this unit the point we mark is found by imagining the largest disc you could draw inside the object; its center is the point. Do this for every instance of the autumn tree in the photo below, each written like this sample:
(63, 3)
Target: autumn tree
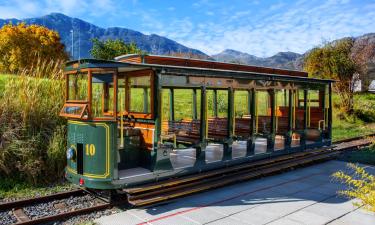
(22, 46)
(363, 52)
(109, 48)
(333, 61)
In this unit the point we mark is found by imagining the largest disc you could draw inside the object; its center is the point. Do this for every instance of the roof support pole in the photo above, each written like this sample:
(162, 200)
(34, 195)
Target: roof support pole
(249, 101)
(171, 104)
(90, 93)
(145, 100)
(203, 131)
(160, 157)
(305, 119)
(272, 134)
(230, 125)
(330, 111)
(251, 140)
(288, 136)
(115, 97)
(195, 111)
(215, 103)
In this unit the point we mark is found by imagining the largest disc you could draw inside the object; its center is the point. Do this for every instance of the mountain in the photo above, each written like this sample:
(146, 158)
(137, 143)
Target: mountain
(83, 32)
(294, 61)
(286, 60)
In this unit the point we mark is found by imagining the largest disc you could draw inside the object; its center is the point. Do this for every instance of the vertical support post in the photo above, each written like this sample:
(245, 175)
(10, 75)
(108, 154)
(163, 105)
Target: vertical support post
(195, 112)
(305, 118)
(271, 137)
(215, 103)
(171, 104)
(330, 111)
(249, 93)
(322, 105)
(288, 136)
(67, 87)
(115, 90)
(127, 94)
(285, 98)
(230, 120)
(90, 93)
(160, 157)
(251, 140)
(203, 132)
(145, 100)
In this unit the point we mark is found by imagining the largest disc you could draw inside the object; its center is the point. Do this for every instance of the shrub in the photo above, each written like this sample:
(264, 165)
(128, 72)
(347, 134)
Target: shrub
(30, 128)
(361, 185)
(21, 46)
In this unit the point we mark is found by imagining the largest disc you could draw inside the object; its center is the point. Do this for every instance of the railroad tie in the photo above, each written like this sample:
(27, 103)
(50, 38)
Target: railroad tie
(20, 215)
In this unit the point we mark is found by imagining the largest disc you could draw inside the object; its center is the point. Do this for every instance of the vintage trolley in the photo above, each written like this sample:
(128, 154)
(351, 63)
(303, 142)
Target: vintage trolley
(143, 118)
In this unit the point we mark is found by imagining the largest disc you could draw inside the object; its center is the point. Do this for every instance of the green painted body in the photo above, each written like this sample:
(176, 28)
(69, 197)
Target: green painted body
(98, 164)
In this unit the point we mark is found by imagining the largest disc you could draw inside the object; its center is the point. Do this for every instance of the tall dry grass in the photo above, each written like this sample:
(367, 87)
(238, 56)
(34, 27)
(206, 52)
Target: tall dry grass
(32, 135)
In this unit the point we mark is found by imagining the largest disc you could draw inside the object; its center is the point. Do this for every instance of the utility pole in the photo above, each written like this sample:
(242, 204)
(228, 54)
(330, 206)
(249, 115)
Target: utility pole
(72, 51)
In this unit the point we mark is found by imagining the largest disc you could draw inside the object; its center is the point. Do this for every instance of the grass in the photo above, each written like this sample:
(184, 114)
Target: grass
(11, 188)
(353, 126)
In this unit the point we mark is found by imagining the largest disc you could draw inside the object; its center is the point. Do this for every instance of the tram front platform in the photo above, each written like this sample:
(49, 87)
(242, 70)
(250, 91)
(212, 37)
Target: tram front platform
(303, 196)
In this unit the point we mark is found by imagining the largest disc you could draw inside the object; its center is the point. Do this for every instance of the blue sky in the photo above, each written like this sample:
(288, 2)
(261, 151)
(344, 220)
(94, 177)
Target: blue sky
(261, 28)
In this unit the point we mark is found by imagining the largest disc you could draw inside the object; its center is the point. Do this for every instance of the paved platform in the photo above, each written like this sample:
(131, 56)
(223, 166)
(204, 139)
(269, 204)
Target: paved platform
(303, 196)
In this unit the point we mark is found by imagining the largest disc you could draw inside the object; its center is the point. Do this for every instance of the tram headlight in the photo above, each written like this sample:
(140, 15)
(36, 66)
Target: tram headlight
(70, 153)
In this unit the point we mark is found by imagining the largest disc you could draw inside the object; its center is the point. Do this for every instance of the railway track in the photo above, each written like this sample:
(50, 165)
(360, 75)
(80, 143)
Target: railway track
(17, 208)
(167, 190)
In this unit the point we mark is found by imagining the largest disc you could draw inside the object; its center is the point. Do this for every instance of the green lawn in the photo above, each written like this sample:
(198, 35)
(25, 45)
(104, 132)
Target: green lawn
(19, 189)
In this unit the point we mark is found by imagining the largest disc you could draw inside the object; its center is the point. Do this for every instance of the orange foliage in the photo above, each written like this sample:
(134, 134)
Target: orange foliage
(21, 46)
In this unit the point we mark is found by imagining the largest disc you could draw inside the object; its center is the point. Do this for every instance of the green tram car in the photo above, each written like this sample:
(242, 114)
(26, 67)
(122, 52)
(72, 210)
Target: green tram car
(143, 118)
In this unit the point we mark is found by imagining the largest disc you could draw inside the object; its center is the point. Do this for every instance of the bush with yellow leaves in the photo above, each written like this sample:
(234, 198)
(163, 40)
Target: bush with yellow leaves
(361, 185)
(21, 46)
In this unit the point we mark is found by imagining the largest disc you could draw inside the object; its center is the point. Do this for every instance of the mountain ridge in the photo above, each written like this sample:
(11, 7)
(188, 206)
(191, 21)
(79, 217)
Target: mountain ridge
(84, 31)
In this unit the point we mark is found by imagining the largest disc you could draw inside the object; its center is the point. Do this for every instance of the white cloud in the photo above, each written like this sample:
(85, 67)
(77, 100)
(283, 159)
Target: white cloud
(293, 28)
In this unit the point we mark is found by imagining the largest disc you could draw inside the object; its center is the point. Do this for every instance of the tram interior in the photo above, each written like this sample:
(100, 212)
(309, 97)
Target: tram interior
(181, 121)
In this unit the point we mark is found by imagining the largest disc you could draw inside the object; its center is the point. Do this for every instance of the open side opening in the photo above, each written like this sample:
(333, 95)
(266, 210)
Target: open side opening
(242, 103)
(181, 124)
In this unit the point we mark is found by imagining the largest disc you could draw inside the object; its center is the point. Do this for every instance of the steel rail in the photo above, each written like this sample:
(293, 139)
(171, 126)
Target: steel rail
(65, 215)
(41, 199)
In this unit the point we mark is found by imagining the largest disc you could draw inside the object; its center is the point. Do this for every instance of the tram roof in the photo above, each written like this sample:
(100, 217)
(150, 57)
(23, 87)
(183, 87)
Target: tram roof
(127, 66)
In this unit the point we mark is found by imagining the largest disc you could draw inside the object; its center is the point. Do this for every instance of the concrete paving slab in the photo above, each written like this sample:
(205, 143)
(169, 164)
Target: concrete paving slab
(120, 219)
(205, 215)
(303, 196)
(228, 221)
(284, 221)
(355, 217)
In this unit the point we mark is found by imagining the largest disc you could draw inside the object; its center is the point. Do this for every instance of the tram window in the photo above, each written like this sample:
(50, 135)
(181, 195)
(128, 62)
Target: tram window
(282, 111)
(102, 98)
(313, 98)
(217, 103)
(263, 112)
(241, 104)
(183, 106)
(140, 94)
(78, 85)
(121, 94)
(315, 111)
(242, 113)
(300, 110)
